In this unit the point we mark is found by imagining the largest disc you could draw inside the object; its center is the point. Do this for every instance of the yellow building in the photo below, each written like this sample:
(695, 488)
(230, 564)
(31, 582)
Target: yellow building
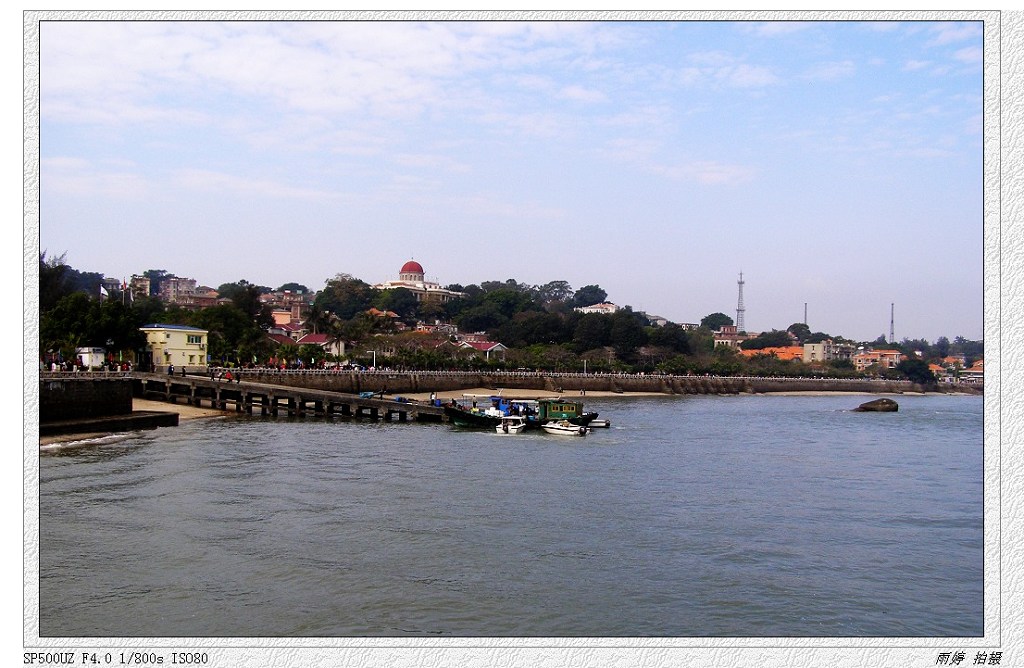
(179, 346)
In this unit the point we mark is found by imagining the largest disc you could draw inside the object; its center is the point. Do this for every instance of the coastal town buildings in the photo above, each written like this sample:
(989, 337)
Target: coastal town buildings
(288, 305)
(174, 290)
(886, 359)
(139, 286)
(781, 352)
(729, 336)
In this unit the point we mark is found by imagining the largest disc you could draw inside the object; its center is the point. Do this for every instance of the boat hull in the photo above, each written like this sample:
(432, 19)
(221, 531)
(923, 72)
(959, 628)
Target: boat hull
(464, 418)
(565, 429)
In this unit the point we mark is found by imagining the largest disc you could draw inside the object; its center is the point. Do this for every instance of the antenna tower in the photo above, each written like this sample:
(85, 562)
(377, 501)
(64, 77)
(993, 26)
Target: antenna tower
(892, 322)
(740, 326)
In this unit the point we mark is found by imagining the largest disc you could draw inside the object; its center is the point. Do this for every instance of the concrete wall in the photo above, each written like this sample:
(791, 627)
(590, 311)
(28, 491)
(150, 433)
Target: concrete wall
(76, 398)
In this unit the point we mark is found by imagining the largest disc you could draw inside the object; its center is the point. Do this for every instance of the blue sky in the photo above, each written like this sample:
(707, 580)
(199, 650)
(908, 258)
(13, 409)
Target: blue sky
(834, 164)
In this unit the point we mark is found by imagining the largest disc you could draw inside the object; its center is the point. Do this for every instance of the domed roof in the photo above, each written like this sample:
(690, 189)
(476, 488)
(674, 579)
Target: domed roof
(411, 267)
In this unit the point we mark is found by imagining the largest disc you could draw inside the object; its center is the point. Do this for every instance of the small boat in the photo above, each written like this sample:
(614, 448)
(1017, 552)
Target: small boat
(584, 419)
(468, 417)
(600, 424)
(565, 428)
(512, 424)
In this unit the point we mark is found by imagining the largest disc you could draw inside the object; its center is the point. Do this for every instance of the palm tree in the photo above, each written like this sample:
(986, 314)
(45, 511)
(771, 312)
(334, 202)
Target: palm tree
(319, 320)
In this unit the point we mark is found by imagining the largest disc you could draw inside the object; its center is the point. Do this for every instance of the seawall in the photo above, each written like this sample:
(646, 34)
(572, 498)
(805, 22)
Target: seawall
(88, 403)
(86, 397)
(443, 382)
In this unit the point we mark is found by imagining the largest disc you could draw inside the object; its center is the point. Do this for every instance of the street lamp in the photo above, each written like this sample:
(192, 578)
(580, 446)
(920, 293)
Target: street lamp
(374, 353)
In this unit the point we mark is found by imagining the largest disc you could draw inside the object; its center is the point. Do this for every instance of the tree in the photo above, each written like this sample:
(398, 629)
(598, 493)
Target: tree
(592, 331)
(318, 319)
(246, 297)
(531, 327)
(54, 282)
(400, 300)
(715, 321)
(345, 296)
(800, 330)
(156, 277)
(554, 292)
(916, 370)
(670, 336)
(942, 346)
(772, 339)
(234, 334)
(627, 333)
(293, 287)
(589, 295)
(481, 318)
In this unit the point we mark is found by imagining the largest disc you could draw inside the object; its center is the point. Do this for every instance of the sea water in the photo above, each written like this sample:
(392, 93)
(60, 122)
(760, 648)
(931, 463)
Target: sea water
(690, 516)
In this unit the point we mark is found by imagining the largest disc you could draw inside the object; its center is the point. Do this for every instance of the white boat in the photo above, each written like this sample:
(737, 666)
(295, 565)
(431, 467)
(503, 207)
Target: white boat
(512, 424)
(565, 428)
(599, 424)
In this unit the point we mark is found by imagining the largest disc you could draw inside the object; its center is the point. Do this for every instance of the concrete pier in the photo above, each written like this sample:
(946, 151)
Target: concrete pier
(246, 396)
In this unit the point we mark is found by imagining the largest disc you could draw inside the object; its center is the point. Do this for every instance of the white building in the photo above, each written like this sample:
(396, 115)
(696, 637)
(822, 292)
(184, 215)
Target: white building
(412, 277)
(179, 345)
(827, 351)
(605, 307)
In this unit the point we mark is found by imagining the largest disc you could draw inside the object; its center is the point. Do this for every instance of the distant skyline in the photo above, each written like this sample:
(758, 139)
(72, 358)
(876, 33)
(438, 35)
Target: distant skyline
(837, 164)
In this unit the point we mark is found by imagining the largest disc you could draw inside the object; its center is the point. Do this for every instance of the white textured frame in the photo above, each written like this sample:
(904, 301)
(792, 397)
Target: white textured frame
(1003, 481)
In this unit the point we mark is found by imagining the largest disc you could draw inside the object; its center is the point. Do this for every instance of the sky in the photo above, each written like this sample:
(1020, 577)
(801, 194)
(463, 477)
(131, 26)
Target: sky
(834, 164)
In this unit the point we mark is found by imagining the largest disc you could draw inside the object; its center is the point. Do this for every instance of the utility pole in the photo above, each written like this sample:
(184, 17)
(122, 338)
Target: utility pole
(892, 322)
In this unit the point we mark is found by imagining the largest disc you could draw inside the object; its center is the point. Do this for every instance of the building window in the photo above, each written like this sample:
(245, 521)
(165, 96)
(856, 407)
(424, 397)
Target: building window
(194, 338)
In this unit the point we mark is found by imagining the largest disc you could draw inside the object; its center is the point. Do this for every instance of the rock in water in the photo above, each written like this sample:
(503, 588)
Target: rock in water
(879, 406)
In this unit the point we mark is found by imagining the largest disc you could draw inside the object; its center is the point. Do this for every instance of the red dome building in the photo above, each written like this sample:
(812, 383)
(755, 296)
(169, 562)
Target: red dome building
(412, 277)
(411, 271)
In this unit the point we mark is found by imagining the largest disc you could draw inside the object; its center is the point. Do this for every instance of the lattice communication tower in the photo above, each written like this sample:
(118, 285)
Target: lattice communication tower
(740, 327)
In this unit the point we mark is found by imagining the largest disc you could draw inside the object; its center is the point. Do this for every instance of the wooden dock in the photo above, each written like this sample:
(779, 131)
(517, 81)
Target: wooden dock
(249, 397)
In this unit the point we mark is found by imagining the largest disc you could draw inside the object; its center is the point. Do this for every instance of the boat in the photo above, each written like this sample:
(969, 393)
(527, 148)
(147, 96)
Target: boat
(599, 424)
(584, 419)
(565, 428)
(487, 411)
(461, 416)
(489, 417)
(558, 409)
(513, 424)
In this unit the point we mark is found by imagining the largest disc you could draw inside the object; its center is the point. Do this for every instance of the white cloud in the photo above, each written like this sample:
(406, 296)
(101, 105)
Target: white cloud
(581, 94)
(746, 76)
(209, 181)
(971, 55)
(707, 172)
(915, 65)
(82, 178)
(952, 32)
(431, 161)
(778, 28)
(830, 71)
